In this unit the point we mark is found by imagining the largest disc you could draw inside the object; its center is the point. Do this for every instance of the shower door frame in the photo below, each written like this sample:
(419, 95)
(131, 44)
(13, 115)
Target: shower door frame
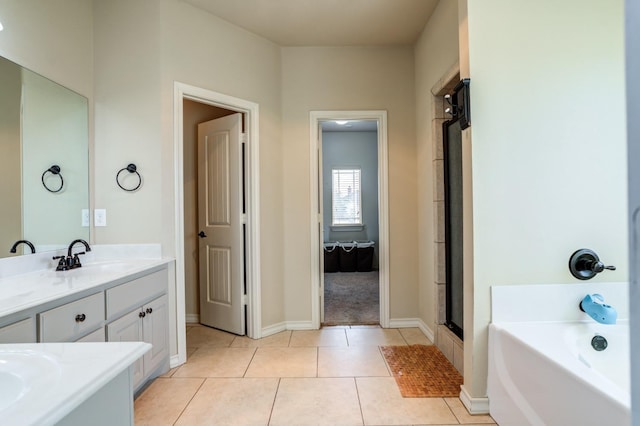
(457, 329)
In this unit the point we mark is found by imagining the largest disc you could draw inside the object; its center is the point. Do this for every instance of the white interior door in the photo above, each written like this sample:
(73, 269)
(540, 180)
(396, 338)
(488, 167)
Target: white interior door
(220, 220)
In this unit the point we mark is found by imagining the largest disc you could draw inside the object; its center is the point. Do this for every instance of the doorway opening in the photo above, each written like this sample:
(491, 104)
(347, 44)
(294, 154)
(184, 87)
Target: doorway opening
(349, 152)
(193, 105)
(345, 221)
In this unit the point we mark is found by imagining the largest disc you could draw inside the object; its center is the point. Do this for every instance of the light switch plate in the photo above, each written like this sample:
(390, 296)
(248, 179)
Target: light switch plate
(100, 217)
(85, 217)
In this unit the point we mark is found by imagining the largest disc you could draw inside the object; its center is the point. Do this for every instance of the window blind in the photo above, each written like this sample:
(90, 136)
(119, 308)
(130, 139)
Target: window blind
(346, 199)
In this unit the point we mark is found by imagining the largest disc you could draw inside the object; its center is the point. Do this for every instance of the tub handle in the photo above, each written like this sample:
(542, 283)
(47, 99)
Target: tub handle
(584, 264)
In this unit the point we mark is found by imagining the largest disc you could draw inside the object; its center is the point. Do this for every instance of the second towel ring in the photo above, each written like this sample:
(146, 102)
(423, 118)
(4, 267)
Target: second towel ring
(131, 168)
(54, 170)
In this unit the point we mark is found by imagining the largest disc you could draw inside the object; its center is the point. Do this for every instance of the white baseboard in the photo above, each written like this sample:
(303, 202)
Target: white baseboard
(287, 325)
(474, 405)
(412, 323)
(174, 361)
(273, 329)
(192, 318)
(300, 325)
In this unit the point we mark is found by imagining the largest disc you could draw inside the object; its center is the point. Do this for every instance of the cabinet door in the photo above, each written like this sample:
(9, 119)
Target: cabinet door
(96, 336)
(128, 329)
(156, 332)
(19, 332)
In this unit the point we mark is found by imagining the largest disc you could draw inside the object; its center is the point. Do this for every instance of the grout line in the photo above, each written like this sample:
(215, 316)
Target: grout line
(385, 362)
(255, 350)
(403, 338)
(275, 396)
(190, 399)
(451, 410)
(355, 381)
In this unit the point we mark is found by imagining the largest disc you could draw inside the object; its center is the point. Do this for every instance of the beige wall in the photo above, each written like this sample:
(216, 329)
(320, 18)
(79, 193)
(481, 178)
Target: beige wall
(349, 79)
(436, 52)
(141, 48)
(10, 157)
(549, 152)
(52, 38)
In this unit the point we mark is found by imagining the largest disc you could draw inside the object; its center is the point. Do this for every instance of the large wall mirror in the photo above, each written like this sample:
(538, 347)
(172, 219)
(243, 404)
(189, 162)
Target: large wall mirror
(42, 125)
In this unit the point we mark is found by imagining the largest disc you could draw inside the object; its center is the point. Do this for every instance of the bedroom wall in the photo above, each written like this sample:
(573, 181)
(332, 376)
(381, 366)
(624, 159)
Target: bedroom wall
(358, 150)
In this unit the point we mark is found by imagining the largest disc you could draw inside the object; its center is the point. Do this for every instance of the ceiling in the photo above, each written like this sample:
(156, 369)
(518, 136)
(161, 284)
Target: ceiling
(326, 22)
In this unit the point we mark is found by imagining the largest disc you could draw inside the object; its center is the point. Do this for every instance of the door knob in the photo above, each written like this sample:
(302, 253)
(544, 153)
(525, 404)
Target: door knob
(201, 234)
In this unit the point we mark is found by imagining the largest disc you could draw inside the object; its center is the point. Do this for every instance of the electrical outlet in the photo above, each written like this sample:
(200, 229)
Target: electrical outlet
(100, 217)
(85, 217)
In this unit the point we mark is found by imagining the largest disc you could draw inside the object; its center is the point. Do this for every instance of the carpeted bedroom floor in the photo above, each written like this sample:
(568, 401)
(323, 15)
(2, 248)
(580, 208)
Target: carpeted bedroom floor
(351, 298)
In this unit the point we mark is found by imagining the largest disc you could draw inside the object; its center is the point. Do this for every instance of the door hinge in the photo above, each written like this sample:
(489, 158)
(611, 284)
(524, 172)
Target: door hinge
(243, 218)
(244, 138)
(245, 300)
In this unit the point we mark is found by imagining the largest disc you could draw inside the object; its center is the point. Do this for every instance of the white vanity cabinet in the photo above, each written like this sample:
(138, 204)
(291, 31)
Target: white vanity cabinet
(97, 336)
(146, 319)
(130, 307)
(71, 321)
(148, 323)
(23, 331)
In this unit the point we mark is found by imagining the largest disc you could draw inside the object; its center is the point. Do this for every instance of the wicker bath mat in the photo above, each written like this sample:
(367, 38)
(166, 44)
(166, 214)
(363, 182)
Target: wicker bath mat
(422, 371)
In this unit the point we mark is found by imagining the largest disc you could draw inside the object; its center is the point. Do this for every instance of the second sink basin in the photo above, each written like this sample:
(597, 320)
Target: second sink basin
(23, 372)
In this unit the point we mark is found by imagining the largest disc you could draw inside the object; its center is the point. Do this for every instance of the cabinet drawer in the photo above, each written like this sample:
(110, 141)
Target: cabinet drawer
(19, 332)
(65, 323)
(131, 295)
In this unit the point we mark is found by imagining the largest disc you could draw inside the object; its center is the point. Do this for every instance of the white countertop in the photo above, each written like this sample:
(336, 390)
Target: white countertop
(20, 292)
(59, 377)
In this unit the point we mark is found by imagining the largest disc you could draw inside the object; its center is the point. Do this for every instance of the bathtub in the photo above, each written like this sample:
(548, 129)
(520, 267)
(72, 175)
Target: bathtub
(548, 373)
(542, 369)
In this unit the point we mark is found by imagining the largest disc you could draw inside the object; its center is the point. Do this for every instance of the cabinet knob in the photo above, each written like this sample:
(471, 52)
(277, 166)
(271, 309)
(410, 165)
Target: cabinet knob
(81, 317)
(142, 314)
(149, 310)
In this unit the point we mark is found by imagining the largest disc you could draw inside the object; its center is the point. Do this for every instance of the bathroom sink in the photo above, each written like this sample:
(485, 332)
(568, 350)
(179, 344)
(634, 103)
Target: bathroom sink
(23, 372)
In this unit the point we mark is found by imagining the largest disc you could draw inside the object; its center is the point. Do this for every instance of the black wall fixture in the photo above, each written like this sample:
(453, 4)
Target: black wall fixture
(459, 104)
(131, 168)
(54, 171)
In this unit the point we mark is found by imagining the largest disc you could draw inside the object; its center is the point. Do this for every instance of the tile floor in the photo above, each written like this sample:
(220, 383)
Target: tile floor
(332, 376)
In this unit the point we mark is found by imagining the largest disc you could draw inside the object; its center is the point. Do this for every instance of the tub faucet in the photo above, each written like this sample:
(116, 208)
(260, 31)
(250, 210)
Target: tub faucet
(594, 306)
(17, 243)
(71, 261)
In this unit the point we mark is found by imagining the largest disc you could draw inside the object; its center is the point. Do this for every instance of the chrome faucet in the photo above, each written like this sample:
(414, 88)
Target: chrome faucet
(71, 261)
(17, 243)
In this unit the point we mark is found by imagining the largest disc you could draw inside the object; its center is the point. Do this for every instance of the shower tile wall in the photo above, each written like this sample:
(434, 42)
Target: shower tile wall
(448, 343)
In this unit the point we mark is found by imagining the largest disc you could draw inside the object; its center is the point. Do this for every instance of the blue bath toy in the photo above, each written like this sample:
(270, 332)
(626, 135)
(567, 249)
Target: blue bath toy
(594, 306)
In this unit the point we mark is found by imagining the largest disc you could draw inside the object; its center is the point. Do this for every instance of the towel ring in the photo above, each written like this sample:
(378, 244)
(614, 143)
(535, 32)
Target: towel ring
(54, 170)
(131, 168)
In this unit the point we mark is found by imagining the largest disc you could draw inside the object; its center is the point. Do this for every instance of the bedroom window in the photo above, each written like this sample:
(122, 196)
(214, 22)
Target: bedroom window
(346, 202)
